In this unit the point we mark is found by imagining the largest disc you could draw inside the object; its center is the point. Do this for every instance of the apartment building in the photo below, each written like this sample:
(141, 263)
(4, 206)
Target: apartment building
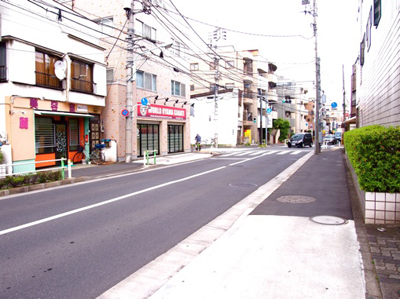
(230, 91)
(52, 83)
(159, 75)
(377, 73)
(293, 105)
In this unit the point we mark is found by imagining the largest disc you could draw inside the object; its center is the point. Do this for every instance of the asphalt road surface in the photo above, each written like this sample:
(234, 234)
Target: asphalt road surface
(78, 241)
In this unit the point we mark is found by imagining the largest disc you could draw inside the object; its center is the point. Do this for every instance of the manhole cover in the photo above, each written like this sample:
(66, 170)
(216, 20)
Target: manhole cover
(242, 185)
(329, 220)
(296, 199)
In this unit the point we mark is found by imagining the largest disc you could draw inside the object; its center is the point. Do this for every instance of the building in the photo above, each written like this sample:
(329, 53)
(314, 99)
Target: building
(293, 105)
(52, 83)
(231, 93)
(158, 74)
(377, 91)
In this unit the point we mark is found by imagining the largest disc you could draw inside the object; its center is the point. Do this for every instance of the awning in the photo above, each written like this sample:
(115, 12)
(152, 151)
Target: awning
(62, 113)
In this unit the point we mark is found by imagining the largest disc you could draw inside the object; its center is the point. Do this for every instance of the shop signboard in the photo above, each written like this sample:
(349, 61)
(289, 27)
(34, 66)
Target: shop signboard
(161, 111)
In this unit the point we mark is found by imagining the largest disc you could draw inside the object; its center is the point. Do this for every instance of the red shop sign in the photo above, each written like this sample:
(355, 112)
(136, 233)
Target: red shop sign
(160, 111)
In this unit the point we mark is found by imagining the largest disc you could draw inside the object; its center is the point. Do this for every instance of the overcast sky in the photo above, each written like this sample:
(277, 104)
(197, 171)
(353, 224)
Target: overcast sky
(283, 33)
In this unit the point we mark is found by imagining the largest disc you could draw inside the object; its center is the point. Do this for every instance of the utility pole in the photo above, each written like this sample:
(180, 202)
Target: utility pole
(129, 81)
(344, 97)
(216, 63)
(318, 84)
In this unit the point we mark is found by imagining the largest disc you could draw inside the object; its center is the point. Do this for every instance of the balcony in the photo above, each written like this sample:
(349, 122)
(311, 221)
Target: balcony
(272, 78)
(272, 96)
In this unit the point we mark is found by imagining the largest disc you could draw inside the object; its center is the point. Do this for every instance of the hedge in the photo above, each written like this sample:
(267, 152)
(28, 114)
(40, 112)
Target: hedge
(30, 179)
(374, 153)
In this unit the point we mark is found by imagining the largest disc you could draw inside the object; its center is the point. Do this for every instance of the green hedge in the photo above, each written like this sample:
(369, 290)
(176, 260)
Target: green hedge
(30, 179)
(374, 153)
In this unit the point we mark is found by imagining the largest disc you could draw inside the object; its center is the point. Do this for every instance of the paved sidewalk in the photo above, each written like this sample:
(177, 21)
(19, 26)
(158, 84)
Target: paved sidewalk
(309, 246)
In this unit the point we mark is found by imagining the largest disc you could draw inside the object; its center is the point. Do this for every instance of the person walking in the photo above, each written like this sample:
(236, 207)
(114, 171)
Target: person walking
(198, 140)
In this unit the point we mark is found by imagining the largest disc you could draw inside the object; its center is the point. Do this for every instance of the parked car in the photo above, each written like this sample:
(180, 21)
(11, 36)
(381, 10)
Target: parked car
(330, 139)
(300, 140)
(338, 136)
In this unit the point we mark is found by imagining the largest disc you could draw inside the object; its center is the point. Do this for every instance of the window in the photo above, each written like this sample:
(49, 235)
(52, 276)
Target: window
(368, 30)
(44, 135)
(377, 12)
(229, 64)
(191, 87)
(178, 89)
(230, 85)
(146, 81)
(3, 62)
(194, 66)
(73, 134)
(81, 76)
(362, 49)
(106, 25)
(45, 75)
(146, 31)
(110, 75)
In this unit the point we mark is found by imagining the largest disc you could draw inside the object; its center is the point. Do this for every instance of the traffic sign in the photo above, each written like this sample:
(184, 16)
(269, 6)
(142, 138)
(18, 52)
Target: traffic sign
(269, 110)
(334, 105)
(125, 112)
(144, 101)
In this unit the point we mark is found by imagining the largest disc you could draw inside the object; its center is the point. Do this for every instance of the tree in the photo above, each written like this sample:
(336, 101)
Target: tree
(283, 125)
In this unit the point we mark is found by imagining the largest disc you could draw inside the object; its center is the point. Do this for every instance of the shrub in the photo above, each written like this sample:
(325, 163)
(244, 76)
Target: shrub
(374, 153)
(1, 156)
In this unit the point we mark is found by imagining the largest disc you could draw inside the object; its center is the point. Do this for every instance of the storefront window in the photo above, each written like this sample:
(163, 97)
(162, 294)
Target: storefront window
(148, 139)
(44, 135)
(73, 134)
(175, 138)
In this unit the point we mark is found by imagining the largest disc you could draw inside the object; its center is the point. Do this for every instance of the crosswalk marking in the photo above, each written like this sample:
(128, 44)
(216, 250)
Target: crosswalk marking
(270, 152)
(261, 152)
(283, 153)
(295, 152)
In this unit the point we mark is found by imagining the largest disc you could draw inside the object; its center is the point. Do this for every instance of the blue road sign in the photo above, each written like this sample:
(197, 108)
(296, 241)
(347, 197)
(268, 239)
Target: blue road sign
(334, 105)
(269, 110)
(144, 101)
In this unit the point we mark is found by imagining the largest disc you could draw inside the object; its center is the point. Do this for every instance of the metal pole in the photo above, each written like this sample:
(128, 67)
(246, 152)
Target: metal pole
(344, 97)
(261, 115)
(318, 87)
(129, 87)
(216, 62)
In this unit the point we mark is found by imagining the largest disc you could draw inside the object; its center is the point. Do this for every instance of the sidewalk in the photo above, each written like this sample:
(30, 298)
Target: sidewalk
(297, 240)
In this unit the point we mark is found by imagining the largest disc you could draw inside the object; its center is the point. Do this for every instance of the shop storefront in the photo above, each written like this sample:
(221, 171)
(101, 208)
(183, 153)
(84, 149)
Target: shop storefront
(160, 128)
(58, 134)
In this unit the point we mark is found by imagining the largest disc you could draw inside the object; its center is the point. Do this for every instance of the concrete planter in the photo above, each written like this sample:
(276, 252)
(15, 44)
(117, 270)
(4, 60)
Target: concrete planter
(377, 207)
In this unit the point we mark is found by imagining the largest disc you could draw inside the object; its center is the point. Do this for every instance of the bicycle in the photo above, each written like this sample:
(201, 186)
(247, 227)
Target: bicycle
(96, 155)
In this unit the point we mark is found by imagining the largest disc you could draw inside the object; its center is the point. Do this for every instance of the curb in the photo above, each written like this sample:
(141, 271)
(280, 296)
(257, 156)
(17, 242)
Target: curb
(41, 186)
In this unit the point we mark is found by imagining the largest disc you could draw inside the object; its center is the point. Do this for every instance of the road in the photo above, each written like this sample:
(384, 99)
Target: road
(80, 240)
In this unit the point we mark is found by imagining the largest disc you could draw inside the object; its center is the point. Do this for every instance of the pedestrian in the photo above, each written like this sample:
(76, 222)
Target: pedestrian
(198, 140)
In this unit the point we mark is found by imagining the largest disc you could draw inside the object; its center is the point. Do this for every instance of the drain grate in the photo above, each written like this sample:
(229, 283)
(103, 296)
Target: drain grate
(296, 199)
(242, 185)
(329, 220)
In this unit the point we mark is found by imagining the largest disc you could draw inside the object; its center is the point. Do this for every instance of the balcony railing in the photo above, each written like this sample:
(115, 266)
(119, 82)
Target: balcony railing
(47, 80)
(82, 85)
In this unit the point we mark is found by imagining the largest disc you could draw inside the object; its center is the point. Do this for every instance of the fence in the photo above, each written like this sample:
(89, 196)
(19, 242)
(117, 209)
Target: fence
(62, 167)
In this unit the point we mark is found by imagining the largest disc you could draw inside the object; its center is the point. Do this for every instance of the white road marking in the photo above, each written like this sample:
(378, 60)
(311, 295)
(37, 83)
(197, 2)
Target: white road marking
(16, 228)
(296, 152)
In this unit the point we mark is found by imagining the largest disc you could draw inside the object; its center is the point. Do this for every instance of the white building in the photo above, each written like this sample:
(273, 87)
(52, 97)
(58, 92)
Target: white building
(378, 67)
(52, 82)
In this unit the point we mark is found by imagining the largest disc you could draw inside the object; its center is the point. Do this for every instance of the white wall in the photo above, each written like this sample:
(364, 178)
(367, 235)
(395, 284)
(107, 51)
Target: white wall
(203, 122)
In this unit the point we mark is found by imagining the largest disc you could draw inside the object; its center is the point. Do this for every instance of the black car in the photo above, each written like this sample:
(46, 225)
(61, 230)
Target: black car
(301, 140)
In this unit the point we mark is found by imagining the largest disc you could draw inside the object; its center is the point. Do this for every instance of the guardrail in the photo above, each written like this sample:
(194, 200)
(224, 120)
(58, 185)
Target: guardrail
(146, 158)
(62, 167)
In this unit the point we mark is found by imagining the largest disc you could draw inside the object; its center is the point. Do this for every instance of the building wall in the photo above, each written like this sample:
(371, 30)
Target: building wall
(27, 30)
(378, 92)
